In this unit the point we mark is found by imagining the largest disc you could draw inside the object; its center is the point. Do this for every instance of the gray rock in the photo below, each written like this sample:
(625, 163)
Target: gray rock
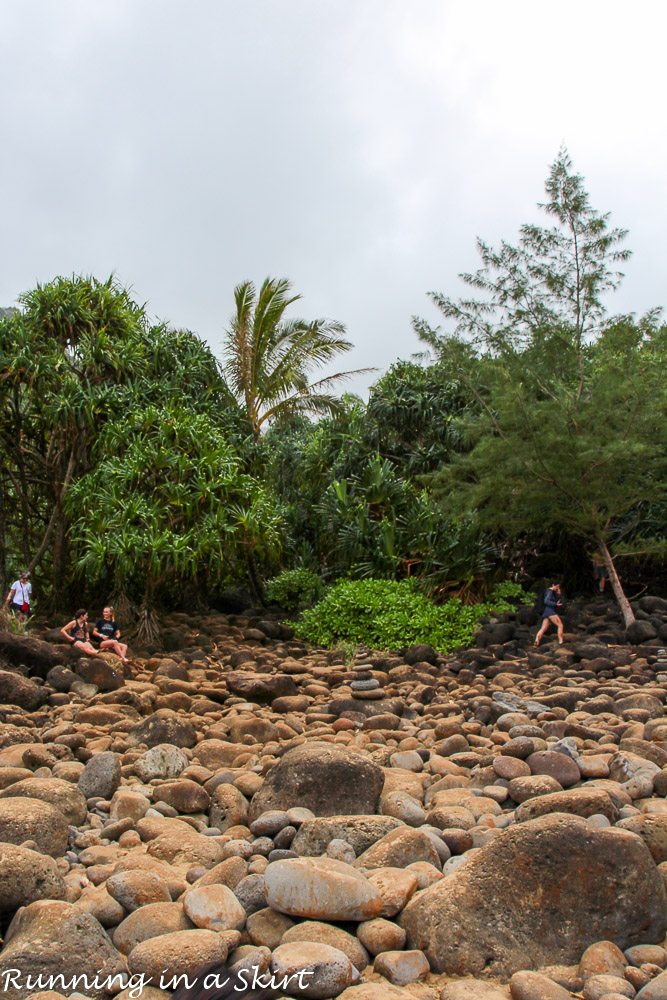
(101, 776)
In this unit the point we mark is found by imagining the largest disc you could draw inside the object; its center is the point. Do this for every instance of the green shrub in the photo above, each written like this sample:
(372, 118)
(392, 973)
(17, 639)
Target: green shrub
(294, 589)
(506, 596)
(385, 614)
(389, 614)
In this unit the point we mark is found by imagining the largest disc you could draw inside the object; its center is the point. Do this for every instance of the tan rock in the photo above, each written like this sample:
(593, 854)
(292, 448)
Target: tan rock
(402, 967)
(318, 970)
(150, 921)
(320, 933)
(181, 952)
(360, 832)
(267, 927)
(321, 888)
(96, 900)
(184, 795)
(25, 819)
(26, 876)
(133, 889)
(51, 938)
(396, 887)
(398, 849)
(533, 986)
(214, 907)
(555, 885)
(63, 795)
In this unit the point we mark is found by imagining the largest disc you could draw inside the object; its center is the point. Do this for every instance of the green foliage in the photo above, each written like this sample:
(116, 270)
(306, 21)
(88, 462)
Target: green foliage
(568, 434)
(167, 500)
(355, 505)
(294, 589)
(507, 595)
(269, 358)
(390, 614)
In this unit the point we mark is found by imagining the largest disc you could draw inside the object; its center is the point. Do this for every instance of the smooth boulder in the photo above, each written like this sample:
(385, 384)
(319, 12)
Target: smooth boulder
(538, 894)
(327, 779)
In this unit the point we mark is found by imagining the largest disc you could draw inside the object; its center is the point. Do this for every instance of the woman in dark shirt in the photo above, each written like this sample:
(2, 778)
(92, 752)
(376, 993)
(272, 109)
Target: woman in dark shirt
(107, 633)
(76, 632)
(552, 604)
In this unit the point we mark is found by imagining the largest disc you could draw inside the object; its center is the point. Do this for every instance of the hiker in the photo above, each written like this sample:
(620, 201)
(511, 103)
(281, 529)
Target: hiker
(600, 571)
(76, 632)
(19, 596)
(552, 604)
(107, 633)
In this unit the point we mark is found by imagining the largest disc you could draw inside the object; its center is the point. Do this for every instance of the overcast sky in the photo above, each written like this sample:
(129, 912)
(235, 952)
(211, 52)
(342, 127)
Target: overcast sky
(354, 146)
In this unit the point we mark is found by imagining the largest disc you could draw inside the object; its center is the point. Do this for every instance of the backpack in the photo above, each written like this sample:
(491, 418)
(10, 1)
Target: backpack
(539, 602)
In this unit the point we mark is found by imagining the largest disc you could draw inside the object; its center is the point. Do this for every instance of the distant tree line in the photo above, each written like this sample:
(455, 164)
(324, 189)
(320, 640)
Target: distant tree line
(138, 466)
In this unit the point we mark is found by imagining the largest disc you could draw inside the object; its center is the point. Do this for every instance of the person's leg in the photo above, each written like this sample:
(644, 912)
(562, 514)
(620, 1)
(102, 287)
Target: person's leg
(558, 622)
(119, 648)
(543, 629)
(86, 648)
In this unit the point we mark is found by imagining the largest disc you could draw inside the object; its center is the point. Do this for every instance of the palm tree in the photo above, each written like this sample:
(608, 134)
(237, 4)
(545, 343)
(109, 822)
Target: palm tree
(269, 358)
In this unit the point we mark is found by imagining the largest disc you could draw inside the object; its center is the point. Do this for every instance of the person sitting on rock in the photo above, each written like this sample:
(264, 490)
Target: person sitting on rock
(76, 632)
(107, 633)
(550, 616)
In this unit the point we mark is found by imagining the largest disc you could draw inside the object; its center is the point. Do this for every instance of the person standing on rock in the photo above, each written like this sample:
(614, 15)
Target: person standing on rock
(76, 632)
(107, 633)
(600, 572)
(19, 598)
(550, 616)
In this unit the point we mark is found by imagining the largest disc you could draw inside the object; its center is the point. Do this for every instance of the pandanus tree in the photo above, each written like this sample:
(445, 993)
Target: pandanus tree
(66, 359)
(78, 354)
(168, 499)
(268, 358)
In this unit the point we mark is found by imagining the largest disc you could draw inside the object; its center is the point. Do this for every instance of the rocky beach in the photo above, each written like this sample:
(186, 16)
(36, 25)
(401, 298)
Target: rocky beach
(477, 826)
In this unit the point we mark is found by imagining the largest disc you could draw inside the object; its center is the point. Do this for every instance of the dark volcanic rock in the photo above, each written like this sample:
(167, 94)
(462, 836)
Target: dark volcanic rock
(262, 688)
(164, 726)
(324, 778)
(17, 690)
(640, 632)
(538, 895)
(38, 656)
(104, 675)
(421, 653)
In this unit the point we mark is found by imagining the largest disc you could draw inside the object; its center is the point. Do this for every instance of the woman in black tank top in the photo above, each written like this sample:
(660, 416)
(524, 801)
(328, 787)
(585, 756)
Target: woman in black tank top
(76, 632)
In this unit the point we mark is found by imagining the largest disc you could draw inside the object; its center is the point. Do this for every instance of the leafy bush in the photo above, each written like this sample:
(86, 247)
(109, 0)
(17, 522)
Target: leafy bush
(507, 595)
(294, 589)
(389, 614)
(385, 614)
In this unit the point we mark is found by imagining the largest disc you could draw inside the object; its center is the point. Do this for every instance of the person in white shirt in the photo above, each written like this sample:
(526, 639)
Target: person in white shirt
(19, 598)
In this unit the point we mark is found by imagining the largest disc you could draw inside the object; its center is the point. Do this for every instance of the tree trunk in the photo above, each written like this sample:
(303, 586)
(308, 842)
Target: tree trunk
(56, 515)
(148, 626)
(3, 538)
(619, 594)
(254, 578)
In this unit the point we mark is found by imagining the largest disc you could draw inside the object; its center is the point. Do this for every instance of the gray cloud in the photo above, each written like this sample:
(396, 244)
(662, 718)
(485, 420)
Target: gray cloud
(356, 146)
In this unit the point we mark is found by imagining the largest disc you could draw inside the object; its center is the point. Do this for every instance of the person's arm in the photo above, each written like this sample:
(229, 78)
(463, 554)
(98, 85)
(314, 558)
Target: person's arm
(66, 633)
(10, 596)
(96, 634)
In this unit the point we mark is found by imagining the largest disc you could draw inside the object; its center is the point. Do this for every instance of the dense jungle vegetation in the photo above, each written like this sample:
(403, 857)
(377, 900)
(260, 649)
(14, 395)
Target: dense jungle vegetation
(137, 465)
